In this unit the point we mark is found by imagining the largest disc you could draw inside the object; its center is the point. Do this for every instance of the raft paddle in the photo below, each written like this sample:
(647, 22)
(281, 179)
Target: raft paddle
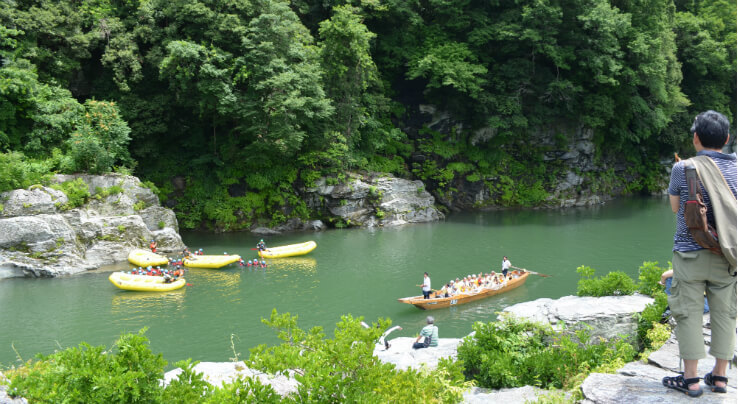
(533, 272)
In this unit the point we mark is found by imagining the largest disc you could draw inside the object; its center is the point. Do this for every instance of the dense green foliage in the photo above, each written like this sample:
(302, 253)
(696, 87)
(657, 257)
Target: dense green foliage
(247, 101)
(336, 370)
(651, 333)
(88, 374)
(344, 369)
(514, 353)
(614, 283)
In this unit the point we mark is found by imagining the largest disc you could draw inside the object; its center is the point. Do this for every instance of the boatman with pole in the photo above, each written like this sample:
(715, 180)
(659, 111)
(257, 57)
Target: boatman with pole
(505, 266)
(426, 286)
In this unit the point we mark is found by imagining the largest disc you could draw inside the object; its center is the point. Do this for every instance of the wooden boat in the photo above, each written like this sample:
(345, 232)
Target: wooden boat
(144, 258)
(288, 250)
(210, 261)
(144, 283)
(438, 302)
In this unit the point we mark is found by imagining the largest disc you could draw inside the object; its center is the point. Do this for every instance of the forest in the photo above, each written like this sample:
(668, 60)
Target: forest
(245, 102)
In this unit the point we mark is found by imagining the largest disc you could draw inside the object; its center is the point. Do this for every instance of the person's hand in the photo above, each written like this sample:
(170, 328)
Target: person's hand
(677, 158)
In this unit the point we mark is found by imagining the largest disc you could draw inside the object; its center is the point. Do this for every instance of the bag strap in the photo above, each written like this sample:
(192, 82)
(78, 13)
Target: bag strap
(723, 203)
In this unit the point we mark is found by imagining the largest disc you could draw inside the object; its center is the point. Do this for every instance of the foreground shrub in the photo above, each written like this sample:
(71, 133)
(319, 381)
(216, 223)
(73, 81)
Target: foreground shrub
(514, 353)
(87, 374)
(344, 369)
(614, 283)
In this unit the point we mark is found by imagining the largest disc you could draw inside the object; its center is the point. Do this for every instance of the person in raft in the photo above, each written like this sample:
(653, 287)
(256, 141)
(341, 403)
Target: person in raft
(261, 246)
(426, 286)
(153, 246)
(429, 333)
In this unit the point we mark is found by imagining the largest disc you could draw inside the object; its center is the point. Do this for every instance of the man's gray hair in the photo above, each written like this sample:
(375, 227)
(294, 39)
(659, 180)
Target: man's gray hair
(429, 320)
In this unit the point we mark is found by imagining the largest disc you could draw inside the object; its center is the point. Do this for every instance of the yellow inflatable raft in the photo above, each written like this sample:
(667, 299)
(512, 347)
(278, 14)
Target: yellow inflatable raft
(144, 258)
(144, 283)
(210, 261)
(288, 250)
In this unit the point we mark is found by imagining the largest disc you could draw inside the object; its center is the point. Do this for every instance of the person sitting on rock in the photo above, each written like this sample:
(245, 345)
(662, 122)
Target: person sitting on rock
(153, 246)
(429, 333)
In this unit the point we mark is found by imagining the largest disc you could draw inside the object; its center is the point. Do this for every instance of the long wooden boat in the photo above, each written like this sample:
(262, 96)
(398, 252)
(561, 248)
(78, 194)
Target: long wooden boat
(438, 302)
(144, 283)
(144, 258)
(288, 250)
(210, 261)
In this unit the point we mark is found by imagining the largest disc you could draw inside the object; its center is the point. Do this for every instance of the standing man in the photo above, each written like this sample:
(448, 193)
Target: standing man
(698, 271)
(505, 266)
(426, 286)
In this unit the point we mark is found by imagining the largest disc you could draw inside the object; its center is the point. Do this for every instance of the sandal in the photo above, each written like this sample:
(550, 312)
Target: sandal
(682, 384)
(710, 381)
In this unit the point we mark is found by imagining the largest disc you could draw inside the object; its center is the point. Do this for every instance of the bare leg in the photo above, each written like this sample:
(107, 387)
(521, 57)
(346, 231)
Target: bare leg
(720, 369)
(690, 371)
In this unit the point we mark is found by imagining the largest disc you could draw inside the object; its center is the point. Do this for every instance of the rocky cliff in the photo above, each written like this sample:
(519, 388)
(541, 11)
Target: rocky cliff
(373, 200)
(40, 237)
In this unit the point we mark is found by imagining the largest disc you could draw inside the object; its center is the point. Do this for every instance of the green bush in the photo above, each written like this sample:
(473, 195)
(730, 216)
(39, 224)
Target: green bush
(649, 276)
(99, 142)
(513, 353)
(18, 172)
(105, 192)
(651, 315)
(76, 191)
(344, 369)
(615, 283)
(87, 374)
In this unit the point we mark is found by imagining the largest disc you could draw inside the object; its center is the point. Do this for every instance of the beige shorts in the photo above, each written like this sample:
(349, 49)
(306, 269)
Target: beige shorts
(696, 274)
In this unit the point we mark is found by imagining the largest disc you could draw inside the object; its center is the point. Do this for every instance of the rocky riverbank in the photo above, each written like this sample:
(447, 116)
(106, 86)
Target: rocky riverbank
(636, 382)
(41, 237)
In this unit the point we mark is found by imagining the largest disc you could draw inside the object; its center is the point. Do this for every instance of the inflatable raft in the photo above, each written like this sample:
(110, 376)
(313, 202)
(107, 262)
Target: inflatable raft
(288, 250)
(210, 261)
(144, 258)
(144, 283)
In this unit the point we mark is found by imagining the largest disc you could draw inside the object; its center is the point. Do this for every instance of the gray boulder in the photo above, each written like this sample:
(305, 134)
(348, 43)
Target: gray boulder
(370, 201)
(609, 316)
(217, 373)
(33, 201)
(518, 395)
(403, 356)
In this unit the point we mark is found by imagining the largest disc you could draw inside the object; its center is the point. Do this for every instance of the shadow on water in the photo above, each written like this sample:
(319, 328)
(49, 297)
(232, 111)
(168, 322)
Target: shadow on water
(620, 209)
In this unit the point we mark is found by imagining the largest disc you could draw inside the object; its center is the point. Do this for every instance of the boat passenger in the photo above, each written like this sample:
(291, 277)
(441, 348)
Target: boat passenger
(261, 246)
(444, 292)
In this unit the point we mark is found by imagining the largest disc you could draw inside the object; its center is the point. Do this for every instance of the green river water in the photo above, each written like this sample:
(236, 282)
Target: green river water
(360, 272)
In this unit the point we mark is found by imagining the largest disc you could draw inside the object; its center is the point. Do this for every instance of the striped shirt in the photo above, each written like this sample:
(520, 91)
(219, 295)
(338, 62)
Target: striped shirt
(683, 240)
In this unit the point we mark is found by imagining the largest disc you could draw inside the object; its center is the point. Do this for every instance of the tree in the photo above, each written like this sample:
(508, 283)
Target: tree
(286, 102)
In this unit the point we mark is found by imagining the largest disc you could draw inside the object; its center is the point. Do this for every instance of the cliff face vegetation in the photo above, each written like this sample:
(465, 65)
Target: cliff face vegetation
(231, 108)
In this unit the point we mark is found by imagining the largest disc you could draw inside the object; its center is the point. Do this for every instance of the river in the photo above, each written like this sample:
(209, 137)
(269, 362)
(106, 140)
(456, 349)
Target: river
(360, 272)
